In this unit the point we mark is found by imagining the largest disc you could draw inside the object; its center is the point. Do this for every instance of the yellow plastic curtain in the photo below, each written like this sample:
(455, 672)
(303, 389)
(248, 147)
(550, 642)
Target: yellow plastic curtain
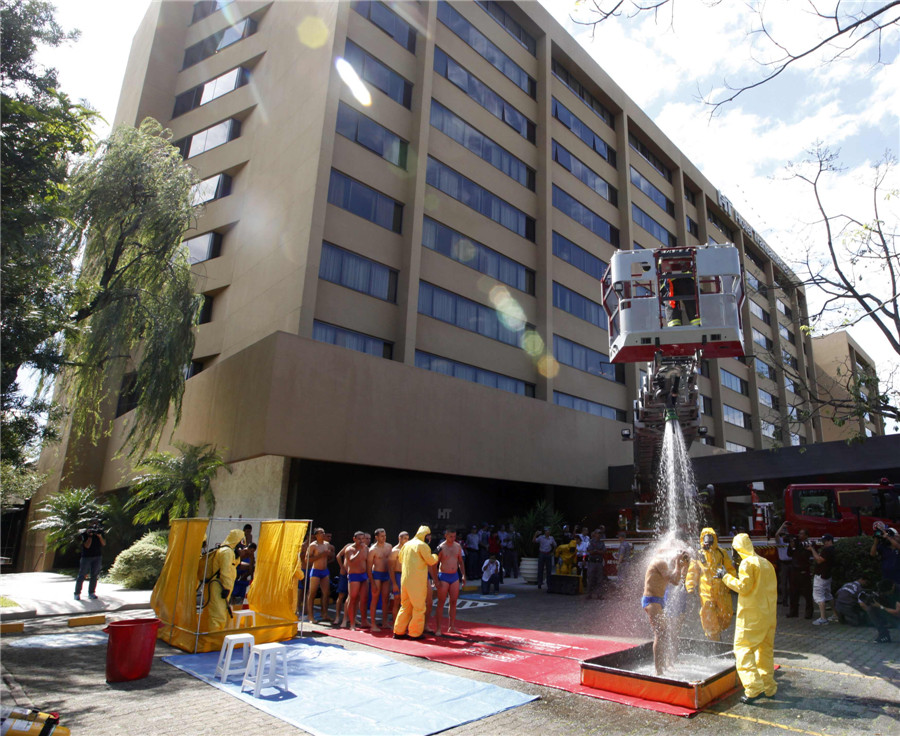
(274, 588)
(174, 595)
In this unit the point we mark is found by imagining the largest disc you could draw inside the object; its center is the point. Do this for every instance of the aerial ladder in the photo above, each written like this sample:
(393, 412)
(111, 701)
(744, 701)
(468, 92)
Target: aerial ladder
(643, 292)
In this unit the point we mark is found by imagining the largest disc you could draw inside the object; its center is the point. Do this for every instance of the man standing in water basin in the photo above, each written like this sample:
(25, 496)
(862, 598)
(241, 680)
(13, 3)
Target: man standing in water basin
(667, 569)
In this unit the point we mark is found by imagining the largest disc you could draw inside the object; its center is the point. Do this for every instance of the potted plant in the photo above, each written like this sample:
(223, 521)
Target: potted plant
(540, 515)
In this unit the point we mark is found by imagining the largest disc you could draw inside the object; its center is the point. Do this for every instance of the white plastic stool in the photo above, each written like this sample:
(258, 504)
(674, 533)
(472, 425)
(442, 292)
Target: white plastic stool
(241, 614)
(224, 668)
(269, 669)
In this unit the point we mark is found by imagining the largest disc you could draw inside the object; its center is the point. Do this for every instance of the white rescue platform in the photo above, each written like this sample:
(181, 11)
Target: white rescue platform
(639, 288)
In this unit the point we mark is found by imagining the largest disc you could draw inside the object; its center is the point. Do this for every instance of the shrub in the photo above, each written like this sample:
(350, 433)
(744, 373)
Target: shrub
(139, 566)
(852, 560)
(540, 515)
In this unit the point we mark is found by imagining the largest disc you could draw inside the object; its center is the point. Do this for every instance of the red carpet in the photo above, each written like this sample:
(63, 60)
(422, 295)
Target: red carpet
(538, 657)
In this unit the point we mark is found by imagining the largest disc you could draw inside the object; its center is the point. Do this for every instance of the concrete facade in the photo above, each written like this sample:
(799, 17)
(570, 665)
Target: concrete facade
(270, 395)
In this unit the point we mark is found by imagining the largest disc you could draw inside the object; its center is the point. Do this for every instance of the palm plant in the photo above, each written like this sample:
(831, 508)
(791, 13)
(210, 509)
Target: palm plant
(174, 485)
(66, 514)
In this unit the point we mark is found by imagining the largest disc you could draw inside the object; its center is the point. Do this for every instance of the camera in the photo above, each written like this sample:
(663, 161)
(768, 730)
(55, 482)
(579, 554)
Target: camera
(867, 597)
(878, 533)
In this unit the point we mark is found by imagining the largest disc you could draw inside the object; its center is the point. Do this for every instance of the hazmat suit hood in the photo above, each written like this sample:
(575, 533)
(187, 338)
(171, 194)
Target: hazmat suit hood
(234, 537)
(423, 532)
(743, 546)
(710, 530)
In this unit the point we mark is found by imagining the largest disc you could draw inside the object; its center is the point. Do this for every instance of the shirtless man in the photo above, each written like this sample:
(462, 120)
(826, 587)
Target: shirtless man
(355, 556)
(364, 591)
(378, 564)
(451, 569)
(318, 555)
(395, 568)
(663, 571)
(343, 585)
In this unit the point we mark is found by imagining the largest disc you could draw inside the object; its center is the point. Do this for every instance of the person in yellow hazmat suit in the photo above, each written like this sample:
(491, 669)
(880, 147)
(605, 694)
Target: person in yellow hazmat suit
(715, 598)
(416, 560)
(221, 575)
(754, 633)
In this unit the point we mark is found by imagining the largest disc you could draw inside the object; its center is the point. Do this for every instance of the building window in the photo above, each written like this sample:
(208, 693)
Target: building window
(720, 225)
(208, 190)
(509, 25)
(797, 439)
(735, 447)
(790, 385)
(211, 45)
(193, 368)
(206, 310)
(378, 75)
(758, 312)
(578, 305)
(735, 383)
(455, 185)
(468, 315)
(128, 395)
(348, 269)
(755, 284)
(212, 137)
(786, 333)
(474, 140)
(642, 183)
(736, 416)
(568, 205)
(204, 247)
(471, 253)
(582, 358)
(784, 309)
(360, 129)
(761, 340)
(568, 79)
(591, 407)
(704, 368)
(485, 48)
(208, 7)
(692, 227)
(690, 196)
(706, 406)
(767, 429)
(388, 21)
(483, 95)
(767, 399)
(323, 332)
(583, 131)
(764, 369)
(356, 197)
(474, 375)
(653, 227)
(585, 174)
(789, 359)
(566, 250)
(650, 157)
(211, 90)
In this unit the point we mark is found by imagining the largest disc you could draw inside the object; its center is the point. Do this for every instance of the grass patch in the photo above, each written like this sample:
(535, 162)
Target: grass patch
(7, 602)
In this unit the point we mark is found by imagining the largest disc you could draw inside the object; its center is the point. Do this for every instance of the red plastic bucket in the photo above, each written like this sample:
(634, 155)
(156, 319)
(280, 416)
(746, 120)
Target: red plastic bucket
(129, 651)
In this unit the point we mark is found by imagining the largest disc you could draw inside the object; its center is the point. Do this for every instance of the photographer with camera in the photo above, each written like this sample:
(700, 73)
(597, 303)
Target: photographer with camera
(800, 573)
(92, 544)
(823, 555)
(850, 599)
(886, 547)
(883, 608)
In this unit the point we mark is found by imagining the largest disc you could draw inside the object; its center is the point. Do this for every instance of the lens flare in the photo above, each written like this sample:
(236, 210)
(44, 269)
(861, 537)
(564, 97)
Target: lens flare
(509, 311)
(313, 32)
(465, 250)
(532, 343)
(352, 80)
(548, 366)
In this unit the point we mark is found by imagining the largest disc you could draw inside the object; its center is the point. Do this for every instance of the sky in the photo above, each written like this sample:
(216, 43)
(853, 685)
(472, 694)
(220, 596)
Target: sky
(666, 63)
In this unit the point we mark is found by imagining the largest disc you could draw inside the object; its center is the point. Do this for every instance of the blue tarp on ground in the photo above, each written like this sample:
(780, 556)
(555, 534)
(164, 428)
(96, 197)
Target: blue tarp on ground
(336, 692)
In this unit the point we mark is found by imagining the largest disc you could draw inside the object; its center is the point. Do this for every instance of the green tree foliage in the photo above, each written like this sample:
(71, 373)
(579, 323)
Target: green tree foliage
(17, 484)
(139, 566)
(66, 514)
(135, 305)
(172, 486)
(538, 516)
(41, 130)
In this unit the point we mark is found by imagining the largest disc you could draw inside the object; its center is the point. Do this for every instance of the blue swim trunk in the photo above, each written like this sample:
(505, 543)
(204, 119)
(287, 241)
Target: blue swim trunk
(648, 599)
(448, 577)
(358, 577)
(343, 586)
(383, 575)
(319, 573)
(397, 578)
